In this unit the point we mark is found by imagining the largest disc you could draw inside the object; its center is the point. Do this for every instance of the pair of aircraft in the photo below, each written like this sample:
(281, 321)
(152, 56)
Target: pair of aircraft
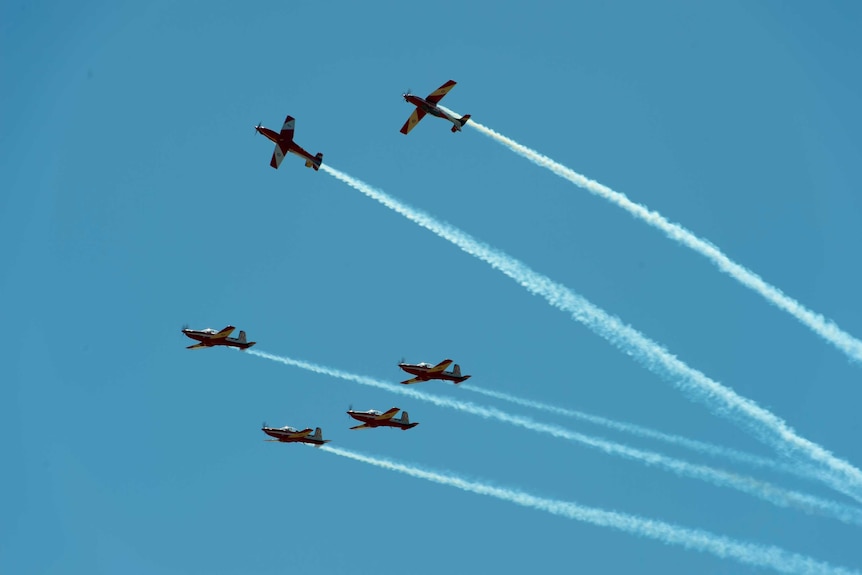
(284, 143)
(370, 419)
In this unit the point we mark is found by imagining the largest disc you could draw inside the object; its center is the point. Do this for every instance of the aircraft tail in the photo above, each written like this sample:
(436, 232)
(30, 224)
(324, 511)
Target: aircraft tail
(456, 371)
(317, 438)
(461, 122)
(405, 422)
(244, 344)
(318, 159)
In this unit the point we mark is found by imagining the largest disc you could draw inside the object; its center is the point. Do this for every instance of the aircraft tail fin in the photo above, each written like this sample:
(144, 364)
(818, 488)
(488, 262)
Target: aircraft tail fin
(317, 437)
(315, 163)
(456, 371)
(463, 120)
(405, 422)
(242, 338)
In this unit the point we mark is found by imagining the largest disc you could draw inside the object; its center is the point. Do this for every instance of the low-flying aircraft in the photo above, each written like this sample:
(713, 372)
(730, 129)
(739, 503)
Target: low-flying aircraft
(426, 371)
(284, 145)
(209, 338)
(373, 418)
(429, 106)
(290, 435)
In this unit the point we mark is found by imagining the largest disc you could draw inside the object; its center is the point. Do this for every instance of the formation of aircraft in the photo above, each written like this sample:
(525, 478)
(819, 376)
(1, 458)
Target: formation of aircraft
(284, 145)
(210, 338)
(426, 371)
(374, 418)
(429, 106)
(290, 435)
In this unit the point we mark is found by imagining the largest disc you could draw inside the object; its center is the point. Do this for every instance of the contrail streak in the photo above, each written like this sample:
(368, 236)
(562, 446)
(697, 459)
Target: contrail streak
(763, 490)
(767, 556)
(720, 399)
(640, 431)
(822, 326)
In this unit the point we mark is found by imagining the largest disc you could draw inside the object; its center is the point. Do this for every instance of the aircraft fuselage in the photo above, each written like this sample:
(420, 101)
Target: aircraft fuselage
(371, 420)
(268, 133)
(430, 108)
(425, 373)
(292, 436)
(207, 339)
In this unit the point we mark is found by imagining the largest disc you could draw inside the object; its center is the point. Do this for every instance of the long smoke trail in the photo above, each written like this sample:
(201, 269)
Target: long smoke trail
(720, 399)
(770, 557)
(822, 326)
(640, 431)
(765, 491)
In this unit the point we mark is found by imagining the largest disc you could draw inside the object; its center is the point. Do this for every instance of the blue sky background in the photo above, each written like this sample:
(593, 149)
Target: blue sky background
(136, 198)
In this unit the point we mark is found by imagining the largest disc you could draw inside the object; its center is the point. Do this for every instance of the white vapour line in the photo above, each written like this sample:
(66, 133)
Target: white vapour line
(720, 399)
(640, 431)
(822, 326)
(760, 489)
(757, 555)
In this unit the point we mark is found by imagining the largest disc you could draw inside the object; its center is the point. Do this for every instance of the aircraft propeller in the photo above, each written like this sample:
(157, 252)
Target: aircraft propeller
(256, 128)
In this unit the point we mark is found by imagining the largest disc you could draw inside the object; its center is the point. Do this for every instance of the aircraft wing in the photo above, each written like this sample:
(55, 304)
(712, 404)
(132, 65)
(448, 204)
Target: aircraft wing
(363, 426)
(414, 380)
(287, 128)
(440, 366)
(438, 94)
(389, 414)
(196, 346)
(412, 120)
(277, 157)
(300, 434)
(224, 333)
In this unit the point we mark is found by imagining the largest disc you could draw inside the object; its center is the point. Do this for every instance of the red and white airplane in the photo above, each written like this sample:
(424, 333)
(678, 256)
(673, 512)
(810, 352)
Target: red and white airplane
(426, 371)
(373, 418)
(290, 435)
(429, 106)
(284, 145)
(210, 338)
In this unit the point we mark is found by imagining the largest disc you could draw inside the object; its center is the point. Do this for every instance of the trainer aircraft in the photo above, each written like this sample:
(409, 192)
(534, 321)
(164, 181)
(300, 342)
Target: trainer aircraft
(210, 338)
(373, 418)
(290, 435)
(284, 145)
(426, 371)
(429, 106)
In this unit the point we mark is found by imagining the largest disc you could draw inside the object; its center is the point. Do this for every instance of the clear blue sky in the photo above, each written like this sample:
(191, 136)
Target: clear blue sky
(137, 198)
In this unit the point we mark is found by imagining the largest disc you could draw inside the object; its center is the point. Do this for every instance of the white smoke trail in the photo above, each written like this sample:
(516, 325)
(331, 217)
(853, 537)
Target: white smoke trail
(763, 490)
(822, 326)
(720, 399)
(754, 554)
(639, 431)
